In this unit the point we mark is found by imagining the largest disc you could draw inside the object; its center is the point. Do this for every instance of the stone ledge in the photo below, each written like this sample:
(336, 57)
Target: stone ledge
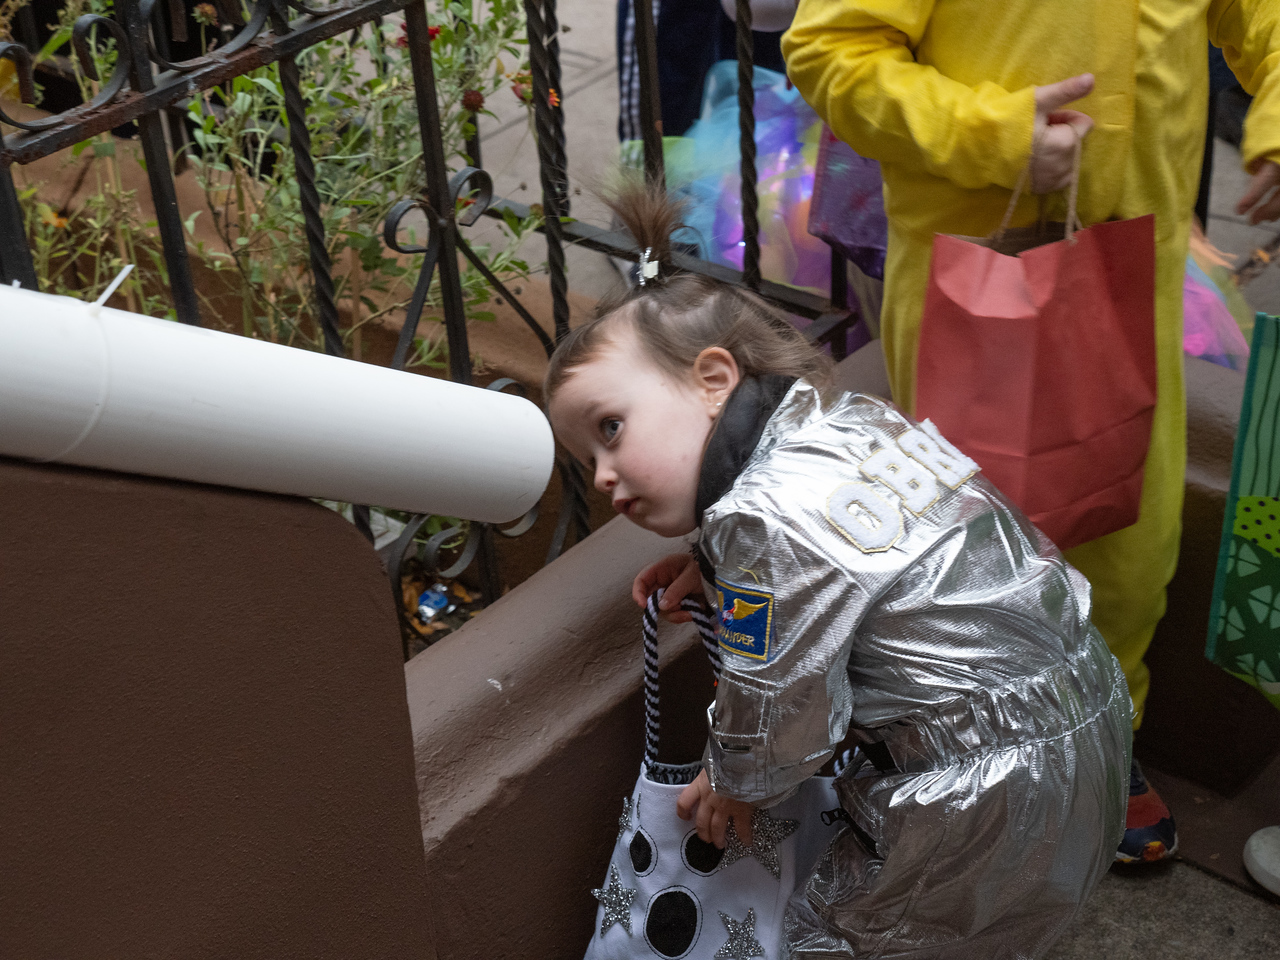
(205, 749)
(528, 732)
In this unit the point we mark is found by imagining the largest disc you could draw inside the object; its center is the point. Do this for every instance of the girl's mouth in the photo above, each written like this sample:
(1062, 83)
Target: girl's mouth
(624, 506)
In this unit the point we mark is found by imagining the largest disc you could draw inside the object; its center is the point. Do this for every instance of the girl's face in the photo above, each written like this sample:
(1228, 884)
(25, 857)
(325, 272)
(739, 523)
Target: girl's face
(642, 431)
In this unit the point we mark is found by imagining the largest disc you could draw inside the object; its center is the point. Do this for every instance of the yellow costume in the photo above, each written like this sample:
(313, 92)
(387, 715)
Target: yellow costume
(941, 92)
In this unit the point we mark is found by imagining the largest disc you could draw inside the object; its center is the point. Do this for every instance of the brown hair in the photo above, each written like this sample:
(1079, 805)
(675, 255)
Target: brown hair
(676, 317)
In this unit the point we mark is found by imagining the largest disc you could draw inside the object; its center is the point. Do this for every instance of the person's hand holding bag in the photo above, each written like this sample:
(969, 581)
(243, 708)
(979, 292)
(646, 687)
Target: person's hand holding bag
(714, 812)
(1057, 131)
(678, 574)
(1262, 200)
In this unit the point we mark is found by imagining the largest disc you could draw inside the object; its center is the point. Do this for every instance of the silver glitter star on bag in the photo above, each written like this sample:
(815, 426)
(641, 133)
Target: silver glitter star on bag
(617, 903)
(766, 834)
(625, 822)
(742, 943)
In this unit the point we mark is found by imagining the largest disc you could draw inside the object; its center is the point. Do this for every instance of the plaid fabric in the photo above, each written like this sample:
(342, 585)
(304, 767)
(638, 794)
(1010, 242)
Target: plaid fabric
(629, 70)
(690, 36)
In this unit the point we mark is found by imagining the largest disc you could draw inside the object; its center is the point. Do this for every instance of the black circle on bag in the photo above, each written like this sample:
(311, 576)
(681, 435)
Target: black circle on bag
(641, 850)
(672, 922)
(699, 856)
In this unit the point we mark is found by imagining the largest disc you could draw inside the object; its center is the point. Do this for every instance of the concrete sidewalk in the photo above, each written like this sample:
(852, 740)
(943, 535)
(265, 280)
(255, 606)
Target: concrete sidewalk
(509, 147)
(1173, 912)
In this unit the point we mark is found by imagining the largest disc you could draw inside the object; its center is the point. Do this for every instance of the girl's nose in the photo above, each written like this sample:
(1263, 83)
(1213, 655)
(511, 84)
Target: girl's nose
(605, 479)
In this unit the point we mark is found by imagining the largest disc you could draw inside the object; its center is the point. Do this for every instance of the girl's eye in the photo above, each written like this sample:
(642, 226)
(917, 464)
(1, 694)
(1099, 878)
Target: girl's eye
(610, 427)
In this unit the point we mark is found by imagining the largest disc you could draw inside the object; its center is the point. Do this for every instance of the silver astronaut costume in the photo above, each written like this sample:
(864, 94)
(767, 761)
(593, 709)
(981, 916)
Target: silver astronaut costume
(868, 579)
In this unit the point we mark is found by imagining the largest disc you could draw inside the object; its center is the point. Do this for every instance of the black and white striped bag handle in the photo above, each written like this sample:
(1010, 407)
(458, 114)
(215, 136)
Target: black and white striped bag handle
(706, 629)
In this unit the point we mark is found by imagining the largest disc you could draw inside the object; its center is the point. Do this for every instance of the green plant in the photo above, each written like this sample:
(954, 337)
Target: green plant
(78, 248)
(363, 127)
(362, 124)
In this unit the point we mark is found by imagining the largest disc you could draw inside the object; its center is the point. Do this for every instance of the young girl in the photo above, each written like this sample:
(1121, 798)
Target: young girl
(869, 581)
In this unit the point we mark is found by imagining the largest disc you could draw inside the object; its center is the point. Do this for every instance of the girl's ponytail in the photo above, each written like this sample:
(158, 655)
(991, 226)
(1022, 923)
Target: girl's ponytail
(651, 215)
(680, 315)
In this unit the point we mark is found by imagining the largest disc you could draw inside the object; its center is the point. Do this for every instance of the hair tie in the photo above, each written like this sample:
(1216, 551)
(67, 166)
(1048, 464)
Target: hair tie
(648, 268)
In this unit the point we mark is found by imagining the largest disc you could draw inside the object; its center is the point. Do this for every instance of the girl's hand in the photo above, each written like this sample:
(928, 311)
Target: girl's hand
(679, 574)
(714, 812)
(1056, 132)
(1262, 196)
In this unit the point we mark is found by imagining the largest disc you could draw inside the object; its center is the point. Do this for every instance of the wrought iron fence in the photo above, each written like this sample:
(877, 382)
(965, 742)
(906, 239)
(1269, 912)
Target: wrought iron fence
(146, 88)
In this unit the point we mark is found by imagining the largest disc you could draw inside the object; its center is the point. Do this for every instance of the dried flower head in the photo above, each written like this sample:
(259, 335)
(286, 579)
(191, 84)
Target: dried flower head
(522, 87)
(473, 100)
(51, 217)
(205, 14)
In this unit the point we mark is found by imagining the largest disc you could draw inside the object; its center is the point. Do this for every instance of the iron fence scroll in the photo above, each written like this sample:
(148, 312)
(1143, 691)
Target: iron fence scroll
(147, 87)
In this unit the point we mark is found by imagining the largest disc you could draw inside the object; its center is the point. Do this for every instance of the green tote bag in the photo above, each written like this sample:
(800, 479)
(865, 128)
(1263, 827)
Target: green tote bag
(1244, 625)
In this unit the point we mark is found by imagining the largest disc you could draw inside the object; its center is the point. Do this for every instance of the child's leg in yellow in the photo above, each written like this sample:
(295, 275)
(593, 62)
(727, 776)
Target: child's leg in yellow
(906, 278)
(1130, 568)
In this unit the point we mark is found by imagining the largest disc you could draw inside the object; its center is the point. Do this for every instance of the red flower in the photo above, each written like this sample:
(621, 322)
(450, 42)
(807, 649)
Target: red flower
(473, 100)
(553, 98)
(403, 40)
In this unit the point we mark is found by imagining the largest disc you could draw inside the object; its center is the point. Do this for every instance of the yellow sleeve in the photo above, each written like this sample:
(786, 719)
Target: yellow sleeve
(1248, 31)
(853, 61)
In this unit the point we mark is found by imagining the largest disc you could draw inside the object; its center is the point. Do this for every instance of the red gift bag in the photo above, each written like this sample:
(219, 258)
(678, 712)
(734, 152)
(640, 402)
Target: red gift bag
(1037, 359)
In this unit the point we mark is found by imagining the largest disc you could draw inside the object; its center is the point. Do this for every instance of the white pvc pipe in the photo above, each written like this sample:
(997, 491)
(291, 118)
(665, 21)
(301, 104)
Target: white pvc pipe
(97, 387)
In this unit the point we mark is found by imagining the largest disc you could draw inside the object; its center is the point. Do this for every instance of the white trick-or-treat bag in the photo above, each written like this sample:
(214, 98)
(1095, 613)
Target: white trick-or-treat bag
(668, 894)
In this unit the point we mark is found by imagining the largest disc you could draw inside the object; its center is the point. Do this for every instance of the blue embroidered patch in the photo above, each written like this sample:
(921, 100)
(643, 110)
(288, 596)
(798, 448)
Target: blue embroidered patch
(746, 620)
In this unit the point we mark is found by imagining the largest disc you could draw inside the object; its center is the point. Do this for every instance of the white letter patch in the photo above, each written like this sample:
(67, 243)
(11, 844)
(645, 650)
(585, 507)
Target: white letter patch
(945, 461)
(869, 521)
(917, 487)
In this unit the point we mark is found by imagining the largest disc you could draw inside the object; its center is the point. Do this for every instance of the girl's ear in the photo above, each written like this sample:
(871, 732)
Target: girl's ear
(715, 374)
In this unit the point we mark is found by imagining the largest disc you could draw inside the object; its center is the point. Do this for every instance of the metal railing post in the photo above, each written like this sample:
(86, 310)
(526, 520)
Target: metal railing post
(548, 112)
(650, 93)
(747, 147)
(549, 121)
(16, 263)
(159, 172)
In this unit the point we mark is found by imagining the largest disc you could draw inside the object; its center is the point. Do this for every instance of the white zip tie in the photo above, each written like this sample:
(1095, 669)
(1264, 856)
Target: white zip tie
(111, 287)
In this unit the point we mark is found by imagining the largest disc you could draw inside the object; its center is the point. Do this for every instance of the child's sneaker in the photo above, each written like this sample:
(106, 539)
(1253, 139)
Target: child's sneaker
(1149, 830)
(1262, 858)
